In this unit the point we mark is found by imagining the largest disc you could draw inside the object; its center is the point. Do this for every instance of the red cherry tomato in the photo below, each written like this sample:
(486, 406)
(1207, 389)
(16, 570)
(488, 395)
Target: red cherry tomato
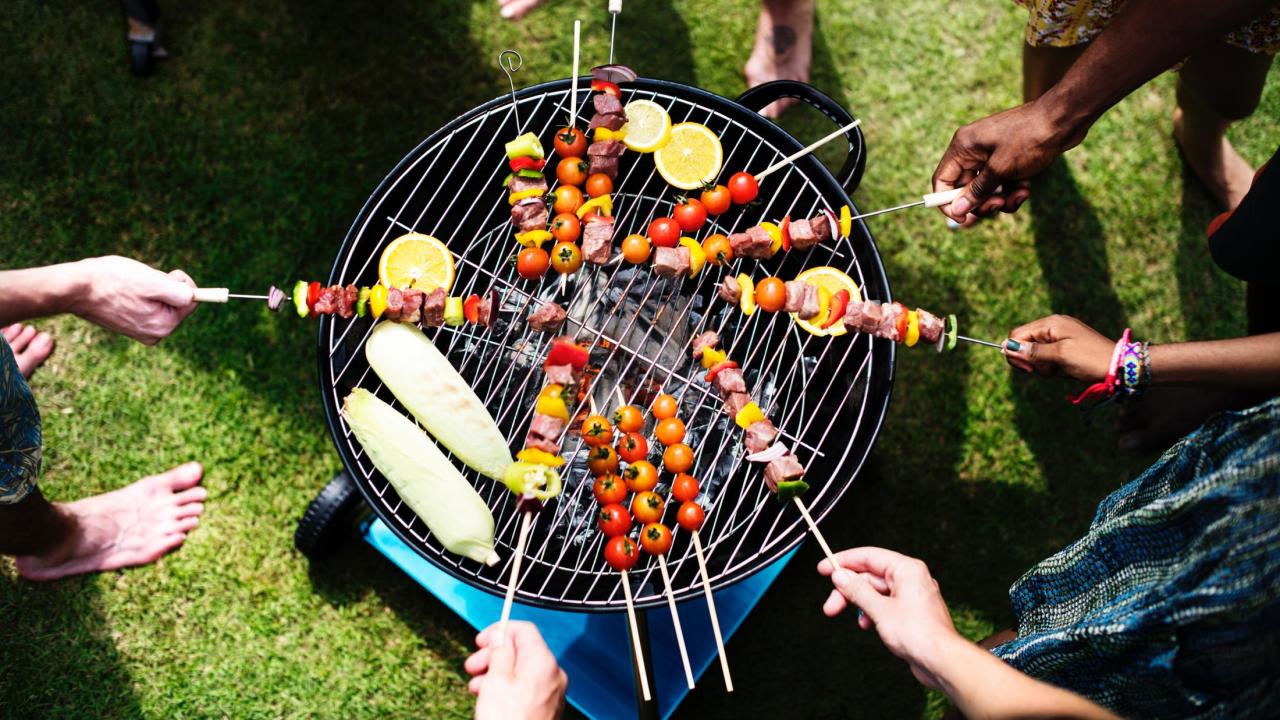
(678, 458)
(613, 520)
(743, 188)
(602, 460)
(621, 553)
(690, 516)
(664, 232)
(570, 142)
(690, 216)
(655, 538)
(609, 489)
(684, 488)
(566, 227)
(716, 199)
(532, 263)
(633, 447)
(647, 507)
(641, 476)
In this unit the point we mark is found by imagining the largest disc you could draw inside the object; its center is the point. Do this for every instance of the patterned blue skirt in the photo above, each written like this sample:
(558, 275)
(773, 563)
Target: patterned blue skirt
(19, 432)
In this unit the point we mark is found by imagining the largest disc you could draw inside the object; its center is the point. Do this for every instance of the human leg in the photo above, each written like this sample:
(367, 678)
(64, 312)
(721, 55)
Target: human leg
(1044, 65)
(784, 47)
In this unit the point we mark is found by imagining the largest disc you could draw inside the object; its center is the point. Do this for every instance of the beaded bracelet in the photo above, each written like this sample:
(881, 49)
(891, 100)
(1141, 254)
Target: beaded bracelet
(1128, 374)
(1133, 369)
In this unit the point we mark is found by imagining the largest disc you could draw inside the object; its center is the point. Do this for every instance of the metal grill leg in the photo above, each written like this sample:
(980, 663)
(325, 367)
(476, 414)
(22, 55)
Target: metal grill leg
(645, 710)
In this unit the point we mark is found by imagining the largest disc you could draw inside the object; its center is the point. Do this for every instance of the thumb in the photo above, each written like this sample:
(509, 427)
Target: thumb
(177, 290)
(502, 656)
(1043, 356)
(860, 593)
(982, 187)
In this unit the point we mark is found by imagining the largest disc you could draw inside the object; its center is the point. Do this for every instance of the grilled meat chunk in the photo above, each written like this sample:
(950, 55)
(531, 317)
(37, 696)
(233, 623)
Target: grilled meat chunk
(708, 339)
(735, 402)
(603, 156)
(486, 311)
(597, 239)
(546, 428)
(780, 470)
(539, 443)
(821, 226)
(671, 262)
(730, 381)
(853, 316)
(754, 243)
(327, 302)
(888, 328)
(411, 312)
(729, 289)
(607, 104)
(547, 317)
(795, 295)
(347, 301)
(560, 375)
(809, 307)
(605, 165)
(520, 184)
(395, 303)
(931, 326)
(613, 121)
(530, 214)
(802, 235)
(433, 307)
(760, 435)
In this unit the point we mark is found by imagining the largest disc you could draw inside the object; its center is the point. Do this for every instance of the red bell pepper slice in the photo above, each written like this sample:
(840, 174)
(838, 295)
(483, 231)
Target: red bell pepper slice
(839, 303)
(313, 294)
(786, 234)
(903, 321)
(526, 163)
(471, 309)
(726, 365)
(606, 87)
(564, 352)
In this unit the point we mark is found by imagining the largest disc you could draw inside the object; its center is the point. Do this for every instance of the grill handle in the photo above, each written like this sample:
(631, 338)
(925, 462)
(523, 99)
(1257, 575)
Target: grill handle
(758, 97)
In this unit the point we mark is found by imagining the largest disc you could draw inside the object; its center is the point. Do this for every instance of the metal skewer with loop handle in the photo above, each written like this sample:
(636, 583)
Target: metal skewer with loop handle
(932, 200)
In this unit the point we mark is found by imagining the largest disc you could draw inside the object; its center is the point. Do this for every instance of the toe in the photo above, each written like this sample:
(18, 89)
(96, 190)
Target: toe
(189, 509)
(20, 341)
(185, 525)
(182, 477)
(11, 331)
(191, 495)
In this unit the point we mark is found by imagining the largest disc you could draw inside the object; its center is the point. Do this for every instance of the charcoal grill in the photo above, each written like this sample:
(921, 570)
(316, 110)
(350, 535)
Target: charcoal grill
(828, 396)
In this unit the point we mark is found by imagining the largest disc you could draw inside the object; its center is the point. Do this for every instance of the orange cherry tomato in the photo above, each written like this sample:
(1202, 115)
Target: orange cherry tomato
(599, 184)
(678, 458)
(664, 406)
(566, 258)
(647, 507)
(632, 447)
(628, 418)
(621, 553)
(596, 430)
(655, 538)
(640, 476)
(670, 431)
(613, 520)
(565, 227)
(532, 263)
(771, 294)
(664, 232)
(609, 489)
(570, 142)
(718, 249)
(690, 516)
(635, 248)
(602, 460)
(572, 171)
(568, 199)
(716, 199)
(684, 488)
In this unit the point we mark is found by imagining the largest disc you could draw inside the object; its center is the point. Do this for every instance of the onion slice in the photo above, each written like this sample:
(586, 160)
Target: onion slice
(613, 73)
(769, 454)
(275, 298)
(835, 224)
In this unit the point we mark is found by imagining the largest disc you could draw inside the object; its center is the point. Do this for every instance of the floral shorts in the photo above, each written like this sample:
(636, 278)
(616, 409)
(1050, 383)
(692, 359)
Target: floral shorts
(20, 440)
(1065, 23)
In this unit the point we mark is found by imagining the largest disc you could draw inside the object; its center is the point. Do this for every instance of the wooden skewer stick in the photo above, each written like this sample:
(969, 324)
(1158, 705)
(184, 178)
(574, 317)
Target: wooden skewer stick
(622, 399)
(635, 638)
(573, 94)
(813, 526)
(796, 156)
(711, 607)
(675, 620)
(221, 295)
(525, 522)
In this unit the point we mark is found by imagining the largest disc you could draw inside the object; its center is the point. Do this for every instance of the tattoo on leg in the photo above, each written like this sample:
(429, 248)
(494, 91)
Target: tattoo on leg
(784, 38)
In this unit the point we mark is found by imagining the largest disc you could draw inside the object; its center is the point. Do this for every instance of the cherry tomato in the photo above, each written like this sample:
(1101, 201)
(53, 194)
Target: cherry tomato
(678, 458)
(664, 406)
(596, 430)
(613, 520)
(570, 142)
(670, 431)
(621, 553)
(690, 215)
(771, 294)
(655, 538)
(568, 199)
(609, 489)
(690, 516)
(716, 199)
(599, 184)
(565, 227)
(743, 188)
(532, 263)
(718, 249)
(635, 248)
(628, 418)
(572, 171)
(647, 507)
(640, 476)
(602, 460)
(664, 232)
(566, 258)
(684, 488)
(633, 447)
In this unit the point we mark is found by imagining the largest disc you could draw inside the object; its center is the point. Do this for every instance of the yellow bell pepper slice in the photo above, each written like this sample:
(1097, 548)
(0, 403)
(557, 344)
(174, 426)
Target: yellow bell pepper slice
(697, 256)
(712, 357)
(541, 457)
(603, 133)
(516, 197)
(749, 414)
(377, 300)
(552, 406)
(533, 238)
(913, 328)
(453, 312)
(824, 306)
(748, 299)
(846, 221)
(775, 236)
(604, 204)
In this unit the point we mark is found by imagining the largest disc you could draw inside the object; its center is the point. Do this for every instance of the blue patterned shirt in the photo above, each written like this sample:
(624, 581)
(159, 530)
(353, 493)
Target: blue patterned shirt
(19, 431)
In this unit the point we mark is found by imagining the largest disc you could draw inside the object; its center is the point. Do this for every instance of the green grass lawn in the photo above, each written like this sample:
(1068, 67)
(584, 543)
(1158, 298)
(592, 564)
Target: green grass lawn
(246, 159)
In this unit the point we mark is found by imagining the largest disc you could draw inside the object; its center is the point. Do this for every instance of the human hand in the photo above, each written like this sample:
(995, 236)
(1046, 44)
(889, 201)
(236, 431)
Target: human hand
(515, 676)
(1060, 343)
(133, 299)
(899, 598)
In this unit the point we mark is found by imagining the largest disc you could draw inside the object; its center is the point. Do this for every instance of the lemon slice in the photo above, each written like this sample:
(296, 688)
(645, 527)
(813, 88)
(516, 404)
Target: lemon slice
(691, 158)
(648, 126)
(832, 281)
(416, 261)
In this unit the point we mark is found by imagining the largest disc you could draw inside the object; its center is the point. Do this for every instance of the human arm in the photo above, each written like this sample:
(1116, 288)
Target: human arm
(514, 675)
(1062, 344)
(1145, 38)
(902, 601)
(117, 293)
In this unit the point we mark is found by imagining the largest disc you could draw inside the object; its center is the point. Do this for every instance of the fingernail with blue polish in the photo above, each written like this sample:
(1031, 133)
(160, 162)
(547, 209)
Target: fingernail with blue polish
(1012, 345)
(861, 615)
(952, 224)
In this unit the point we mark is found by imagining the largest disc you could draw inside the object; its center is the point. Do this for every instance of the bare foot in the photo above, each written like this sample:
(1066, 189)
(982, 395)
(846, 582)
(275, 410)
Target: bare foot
(1165, 415)
(30, 349)
(784, 47)
(516, 9)
(1213, 158)
(135, 525)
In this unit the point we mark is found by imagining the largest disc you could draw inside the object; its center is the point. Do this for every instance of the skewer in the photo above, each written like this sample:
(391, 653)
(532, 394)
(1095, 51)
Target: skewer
(813, 526)
(510, 61)
(976, 341)
(801, 153)
(615, 7)
(521, 541)
(573, 95)
(711, 607)
(938, 199)
(221, 295)
(635, 637)
(675, 620)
